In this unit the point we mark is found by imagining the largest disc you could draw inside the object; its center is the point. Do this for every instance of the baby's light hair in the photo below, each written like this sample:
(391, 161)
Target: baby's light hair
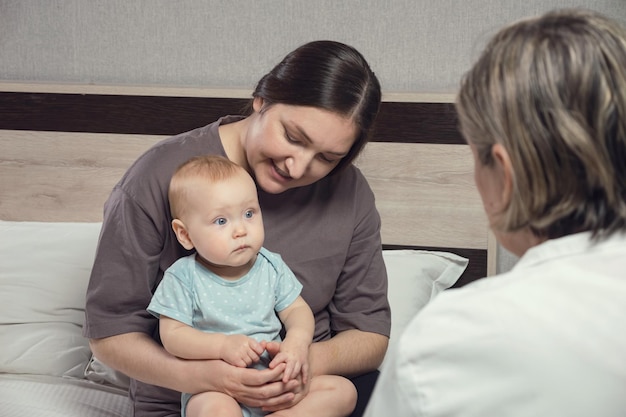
(205, 167)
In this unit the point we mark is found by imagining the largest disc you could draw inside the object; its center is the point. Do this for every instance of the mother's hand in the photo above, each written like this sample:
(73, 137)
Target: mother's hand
(297, 387)
(259, 388)
(255, 388)
(249, 386)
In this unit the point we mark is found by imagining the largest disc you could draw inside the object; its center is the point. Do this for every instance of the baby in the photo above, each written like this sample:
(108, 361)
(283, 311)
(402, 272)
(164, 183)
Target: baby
(230, 299)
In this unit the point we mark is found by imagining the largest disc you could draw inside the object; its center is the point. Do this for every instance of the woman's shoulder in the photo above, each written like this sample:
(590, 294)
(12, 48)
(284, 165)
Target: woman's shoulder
(179, 147)
(154, 168)
(538, 302)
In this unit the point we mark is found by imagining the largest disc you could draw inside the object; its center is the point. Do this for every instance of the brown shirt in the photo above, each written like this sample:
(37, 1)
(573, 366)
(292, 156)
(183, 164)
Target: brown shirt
(328, 233)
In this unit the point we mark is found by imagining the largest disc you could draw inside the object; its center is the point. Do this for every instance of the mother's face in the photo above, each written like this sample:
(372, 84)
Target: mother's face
(292, 146)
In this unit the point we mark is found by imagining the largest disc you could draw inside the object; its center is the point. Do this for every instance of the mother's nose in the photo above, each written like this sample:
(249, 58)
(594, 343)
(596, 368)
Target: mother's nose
(298, 164)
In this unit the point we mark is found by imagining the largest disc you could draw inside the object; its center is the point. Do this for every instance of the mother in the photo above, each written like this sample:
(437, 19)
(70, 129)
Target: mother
(310, 117)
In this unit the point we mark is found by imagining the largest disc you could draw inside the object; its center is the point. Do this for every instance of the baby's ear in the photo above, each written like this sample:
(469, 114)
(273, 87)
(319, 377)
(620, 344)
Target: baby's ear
(181, 234)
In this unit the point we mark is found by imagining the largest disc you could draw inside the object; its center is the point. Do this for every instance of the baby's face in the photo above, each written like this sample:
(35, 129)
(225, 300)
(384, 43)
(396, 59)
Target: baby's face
(225, 222)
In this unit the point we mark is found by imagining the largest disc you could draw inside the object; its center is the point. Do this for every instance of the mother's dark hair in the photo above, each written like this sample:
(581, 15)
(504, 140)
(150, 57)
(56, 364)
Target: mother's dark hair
(327, 75)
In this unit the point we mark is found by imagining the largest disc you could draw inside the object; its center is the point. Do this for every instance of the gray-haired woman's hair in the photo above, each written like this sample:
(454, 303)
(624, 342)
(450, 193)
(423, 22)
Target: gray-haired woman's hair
(331, 76)
(552, 91)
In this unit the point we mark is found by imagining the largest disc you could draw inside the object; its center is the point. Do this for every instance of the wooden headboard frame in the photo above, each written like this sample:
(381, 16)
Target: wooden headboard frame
(65, 146)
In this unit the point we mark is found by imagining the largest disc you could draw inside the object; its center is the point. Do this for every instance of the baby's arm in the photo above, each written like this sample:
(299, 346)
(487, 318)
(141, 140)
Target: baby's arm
(294, 350)
(186, 342)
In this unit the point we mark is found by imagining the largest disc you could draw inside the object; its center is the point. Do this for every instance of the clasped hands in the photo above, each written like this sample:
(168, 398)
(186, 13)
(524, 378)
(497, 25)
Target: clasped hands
(282, 385)
(243, 351)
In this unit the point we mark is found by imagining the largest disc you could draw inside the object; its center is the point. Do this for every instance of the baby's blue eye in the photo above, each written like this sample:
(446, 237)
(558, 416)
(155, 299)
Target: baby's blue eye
(221, 221)
(249, 214)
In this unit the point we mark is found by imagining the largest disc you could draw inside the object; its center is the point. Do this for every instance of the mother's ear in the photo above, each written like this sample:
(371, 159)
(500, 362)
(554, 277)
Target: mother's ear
(181, 234)
(503, 164)
(257, 104)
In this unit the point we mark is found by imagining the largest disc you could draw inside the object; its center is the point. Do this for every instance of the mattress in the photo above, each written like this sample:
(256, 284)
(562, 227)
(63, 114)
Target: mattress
(48, 396)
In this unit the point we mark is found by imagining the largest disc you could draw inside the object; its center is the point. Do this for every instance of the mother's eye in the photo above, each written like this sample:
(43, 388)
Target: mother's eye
(327, 160)
(290, 139)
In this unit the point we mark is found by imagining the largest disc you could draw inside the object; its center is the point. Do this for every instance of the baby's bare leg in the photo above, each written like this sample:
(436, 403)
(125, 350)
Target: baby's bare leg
(209, 404)
(329, 396)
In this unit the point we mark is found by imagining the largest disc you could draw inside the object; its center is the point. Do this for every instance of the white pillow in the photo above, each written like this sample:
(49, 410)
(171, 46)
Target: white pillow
(416, 277)
(44, 275)
(44, 272)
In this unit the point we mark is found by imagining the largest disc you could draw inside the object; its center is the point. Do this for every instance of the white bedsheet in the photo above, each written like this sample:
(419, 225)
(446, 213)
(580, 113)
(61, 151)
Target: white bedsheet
(48, 396)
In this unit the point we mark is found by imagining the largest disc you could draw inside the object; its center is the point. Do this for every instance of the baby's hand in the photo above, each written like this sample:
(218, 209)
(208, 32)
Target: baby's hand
(240, 350)
(296, 358)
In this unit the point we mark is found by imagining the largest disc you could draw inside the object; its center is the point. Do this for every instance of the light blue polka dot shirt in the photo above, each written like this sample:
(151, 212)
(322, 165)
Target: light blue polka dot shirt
(193, 295)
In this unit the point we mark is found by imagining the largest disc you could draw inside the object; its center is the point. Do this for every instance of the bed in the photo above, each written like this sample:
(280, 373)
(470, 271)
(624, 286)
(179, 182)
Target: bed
(63, 147)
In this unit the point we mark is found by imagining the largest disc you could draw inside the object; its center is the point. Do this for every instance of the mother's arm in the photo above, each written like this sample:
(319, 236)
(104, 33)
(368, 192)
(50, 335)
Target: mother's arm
(348, 353)
(140, 357)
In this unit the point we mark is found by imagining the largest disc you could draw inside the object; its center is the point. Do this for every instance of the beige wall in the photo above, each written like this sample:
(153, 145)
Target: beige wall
(413, 45)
